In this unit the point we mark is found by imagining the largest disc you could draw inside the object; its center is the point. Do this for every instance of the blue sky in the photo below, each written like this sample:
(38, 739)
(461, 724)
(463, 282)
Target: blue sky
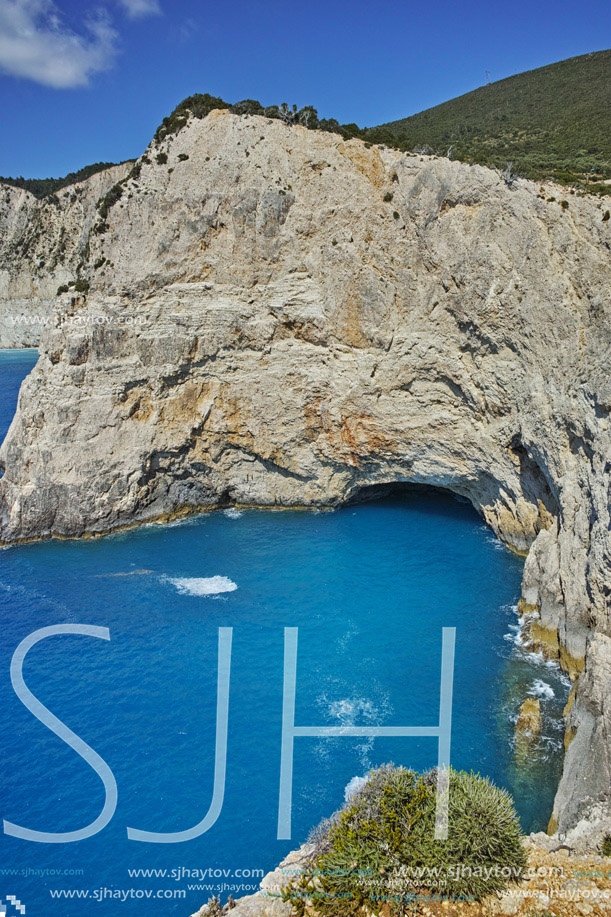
(85, 81)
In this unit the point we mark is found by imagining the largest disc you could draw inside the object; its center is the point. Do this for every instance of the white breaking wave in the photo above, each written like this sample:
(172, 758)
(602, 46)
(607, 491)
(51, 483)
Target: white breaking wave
(353, 711)
(540, 688)
(349, 709)
(354, 786)
(232, 513)
(211, 585)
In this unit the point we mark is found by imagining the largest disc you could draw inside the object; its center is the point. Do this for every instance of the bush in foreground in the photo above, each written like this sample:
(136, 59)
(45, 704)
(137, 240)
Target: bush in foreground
(379, 850)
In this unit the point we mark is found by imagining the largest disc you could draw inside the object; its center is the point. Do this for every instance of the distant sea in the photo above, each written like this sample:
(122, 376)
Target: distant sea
(369, 586)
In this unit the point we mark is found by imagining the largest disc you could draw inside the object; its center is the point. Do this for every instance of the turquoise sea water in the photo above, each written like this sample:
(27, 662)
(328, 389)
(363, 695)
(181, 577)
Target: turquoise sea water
(369, 586)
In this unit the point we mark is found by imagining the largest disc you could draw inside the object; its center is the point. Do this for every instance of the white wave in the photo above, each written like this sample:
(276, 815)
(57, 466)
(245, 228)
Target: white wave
(232, 513)
(540, 688)
(349, 711)
(354, 786)
(194, 585)
(353, 711)
(350, 708)
(496, 544)
(515, 635)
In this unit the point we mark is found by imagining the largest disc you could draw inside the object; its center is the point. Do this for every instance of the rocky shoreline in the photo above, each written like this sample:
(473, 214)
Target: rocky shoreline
(560, 880)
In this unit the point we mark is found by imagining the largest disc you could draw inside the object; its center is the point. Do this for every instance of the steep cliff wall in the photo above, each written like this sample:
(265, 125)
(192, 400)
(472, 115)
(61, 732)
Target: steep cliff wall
(42, 244)
(277, 316)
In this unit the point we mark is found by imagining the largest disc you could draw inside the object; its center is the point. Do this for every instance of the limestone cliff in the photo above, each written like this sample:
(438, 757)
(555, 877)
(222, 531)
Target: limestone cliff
(277, 316)
(43, 244)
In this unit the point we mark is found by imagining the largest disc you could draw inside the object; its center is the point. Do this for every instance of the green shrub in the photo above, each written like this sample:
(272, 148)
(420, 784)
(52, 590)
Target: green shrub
(63, 289)
(606, 846)
(396, 214)
(81, 286)
(162, 158)
(388, 197)
(109, 200)
(198, 105)
(247, 107)
(182, 157)
(564, 205)
(380, 848)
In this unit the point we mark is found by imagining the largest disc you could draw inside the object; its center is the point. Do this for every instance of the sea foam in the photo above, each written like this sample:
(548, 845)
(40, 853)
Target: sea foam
(354, 786)
(211, 585)
(540, 688)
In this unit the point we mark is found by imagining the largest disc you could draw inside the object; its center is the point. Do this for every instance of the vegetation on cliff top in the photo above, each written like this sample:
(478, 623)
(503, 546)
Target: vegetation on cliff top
(378, 852)
(44, 187)
(550, 122)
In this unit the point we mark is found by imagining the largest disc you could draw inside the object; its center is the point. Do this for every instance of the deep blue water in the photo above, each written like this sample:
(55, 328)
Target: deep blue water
(370, 588)
(14, 366)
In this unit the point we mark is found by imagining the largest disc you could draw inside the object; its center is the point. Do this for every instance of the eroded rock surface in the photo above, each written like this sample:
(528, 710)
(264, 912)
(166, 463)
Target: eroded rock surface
(264, 328)
(42, 245)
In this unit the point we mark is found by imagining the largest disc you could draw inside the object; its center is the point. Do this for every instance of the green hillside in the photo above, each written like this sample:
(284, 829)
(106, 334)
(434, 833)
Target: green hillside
(551, 122)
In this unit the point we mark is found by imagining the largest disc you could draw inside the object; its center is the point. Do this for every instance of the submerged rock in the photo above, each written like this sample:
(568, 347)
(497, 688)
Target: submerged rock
(528, 724)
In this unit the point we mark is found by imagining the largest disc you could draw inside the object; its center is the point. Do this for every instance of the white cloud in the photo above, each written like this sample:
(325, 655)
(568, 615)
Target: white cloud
(37, 45)
(138, 9)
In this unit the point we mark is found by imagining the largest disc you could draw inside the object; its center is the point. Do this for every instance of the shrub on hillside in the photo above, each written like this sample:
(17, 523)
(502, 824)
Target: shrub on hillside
(198, 105)
(109, 200)
(379, 850)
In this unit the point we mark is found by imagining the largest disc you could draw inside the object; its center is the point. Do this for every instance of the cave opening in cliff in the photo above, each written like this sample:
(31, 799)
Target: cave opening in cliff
(405, 490)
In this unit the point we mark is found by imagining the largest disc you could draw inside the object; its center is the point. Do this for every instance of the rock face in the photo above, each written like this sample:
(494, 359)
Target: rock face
(42, 244)
(279, 317)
